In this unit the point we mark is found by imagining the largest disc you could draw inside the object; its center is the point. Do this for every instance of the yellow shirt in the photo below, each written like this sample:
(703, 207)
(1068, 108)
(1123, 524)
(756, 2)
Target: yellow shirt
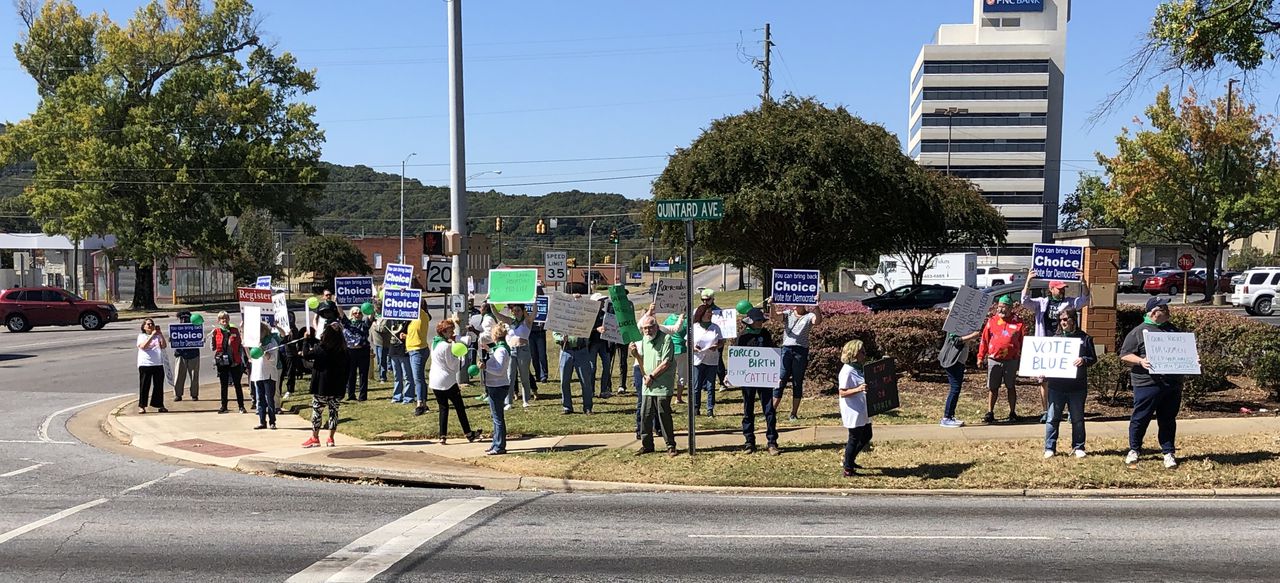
(419, 333)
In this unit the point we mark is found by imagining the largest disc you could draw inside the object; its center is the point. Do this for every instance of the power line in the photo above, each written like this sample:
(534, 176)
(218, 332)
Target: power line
(268, 184)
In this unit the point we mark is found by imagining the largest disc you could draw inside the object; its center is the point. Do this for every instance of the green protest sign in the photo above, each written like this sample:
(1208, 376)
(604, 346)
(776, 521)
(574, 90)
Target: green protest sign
(513, 286)
(625, 312)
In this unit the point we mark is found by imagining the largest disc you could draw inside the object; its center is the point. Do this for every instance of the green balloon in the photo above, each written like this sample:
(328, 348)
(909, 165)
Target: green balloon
(366, 308)
(744, 306)
(313, 302)
(255, 352)
(197, 319)
(473, 370)
(458, 349)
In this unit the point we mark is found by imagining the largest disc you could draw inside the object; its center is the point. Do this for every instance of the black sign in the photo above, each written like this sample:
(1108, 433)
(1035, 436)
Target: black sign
(882, 386)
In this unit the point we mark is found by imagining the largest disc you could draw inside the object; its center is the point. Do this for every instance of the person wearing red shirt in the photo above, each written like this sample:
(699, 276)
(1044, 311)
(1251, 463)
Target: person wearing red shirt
(1000, 345)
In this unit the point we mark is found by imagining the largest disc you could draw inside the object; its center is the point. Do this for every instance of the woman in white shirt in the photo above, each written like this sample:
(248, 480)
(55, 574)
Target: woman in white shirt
(707, 341)
(262, 376)
(151, 345)
(853, 404)
(443, 381)
(497, 383)
(520, 326)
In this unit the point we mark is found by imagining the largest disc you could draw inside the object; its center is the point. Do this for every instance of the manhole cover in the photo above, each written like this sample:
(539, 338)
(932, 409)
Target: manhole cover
(212, 448)
(356, 454)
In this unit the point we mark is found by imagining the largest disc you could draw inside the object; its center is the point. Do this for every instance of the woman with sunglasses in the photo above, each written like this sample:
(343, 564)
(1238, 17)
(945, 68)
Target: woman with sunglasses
(1069, 393)
(151, 345)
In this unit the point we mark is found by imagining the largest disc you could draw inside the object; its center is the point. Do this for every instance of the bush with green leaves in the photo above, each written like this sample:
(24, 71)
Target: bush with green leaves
(1109, 378)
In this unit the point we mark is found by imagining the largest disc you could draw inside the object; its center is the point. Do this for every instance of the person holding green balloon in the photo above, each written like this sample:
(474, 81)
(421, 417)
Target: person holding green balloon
(497, 383)
(445, 362)
(264, 374)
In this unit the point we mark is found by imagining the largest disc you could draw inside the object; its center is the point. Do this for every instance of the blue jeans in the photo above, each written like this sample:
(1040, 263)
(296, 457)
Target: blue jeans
(496, 397)
(704, 379)
(404, 390)
(418, 373)
(382, 358)
(795, 359)
(538, 347)
(749, 396)
(601, 350)
(580, 360)
(265, 393)
(1074, 403)
(1162, 401)
(955, 377)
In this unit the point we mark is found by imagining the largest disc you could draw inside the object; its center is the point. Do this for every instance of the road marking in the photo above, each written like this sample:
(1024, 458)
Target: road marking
(373, 553)
(43, 433)
(874, 536)
(36, 441)
(67, 342)
(24, 529)
(21, 471)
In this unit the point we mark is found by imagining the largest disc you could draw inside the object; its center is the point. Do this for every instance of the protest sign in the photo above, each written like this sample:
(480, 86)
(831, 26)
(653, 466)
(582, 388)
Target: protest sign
(397, 276)
(352, 291)
(254, 297)
(280, 309)
(263, 282)
(186, 336)
(251, 326)
(670, 296)
(882, 386)
(611, 333)
(1049, 356)
(401, 304)
(795, 287)
(541, 314)
(1172, 352)
(513, 286)
(1059, 262)
(625, 312)
(570, 316)
(727, 321)
(753, 367)
(968, 311)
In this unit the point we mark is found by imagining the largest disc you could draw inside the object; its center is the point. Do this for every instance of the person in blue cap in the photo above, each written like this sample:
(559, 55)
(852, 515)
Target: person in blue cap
(1154, 395)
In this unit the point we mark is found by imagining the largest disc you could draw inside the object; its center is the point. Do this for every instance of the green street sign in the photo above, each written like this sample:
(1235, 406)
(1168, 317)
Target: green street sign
(698, 209)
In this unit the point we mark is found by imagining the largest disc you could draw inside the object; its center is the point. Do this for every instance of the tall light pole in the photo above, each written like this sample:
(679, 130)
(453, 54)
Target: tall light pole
(403, 163)
(951, 113)
(457, 150)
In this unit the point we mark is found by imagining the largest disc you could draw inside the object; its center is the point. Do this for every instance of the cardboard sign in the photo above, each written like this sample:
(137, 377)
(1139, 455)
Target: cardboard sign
(727, 320)
(882, 386)
(541, 314)
(574, 317)
(1172, 352)
(280, 309)
(968, 311)
(1049, 357)
(186, 336)
(625, 313)
(352, 291)
(611, 333)
(513, 286)
(251, 327)
(753, 367)
(795, 287)
(670, 296)
(263, 282)
(401, 304)
(252, 297)
(397, 276)
(1057, 262)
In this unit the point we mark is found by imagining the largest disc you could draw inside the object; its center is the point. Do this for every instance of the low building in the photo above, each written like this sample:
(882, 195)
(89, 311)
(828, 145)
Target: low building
(1268, 242)
(55, 260)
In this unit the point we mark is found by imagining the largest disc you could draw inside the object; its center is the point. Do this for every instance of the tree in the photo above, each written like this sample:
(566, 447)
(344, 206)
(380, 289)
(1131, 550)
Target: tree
(1195, 176)
(956, 216)
(804, 185)
(1249, 258)
(255, 252)
(328, 256)
(155, 130)
(1086, 207)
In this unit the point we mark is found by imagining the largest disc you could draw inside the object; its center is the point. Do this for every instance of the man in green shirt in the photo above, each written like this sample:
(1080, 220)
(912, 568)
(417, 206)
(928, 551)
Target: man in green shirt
(657, 368)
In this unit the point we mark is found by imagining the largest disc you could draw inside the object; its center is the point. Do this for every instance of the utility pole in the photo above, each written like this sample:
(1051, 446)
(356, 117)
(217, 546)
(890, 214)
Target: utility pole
(763, 65)
(457, 150)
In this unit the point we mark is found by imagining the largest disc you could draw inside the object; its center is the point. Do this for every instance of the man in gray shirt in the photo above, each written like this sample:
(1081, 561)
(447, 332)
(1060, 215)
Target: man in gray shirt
(1154, 395)
(797, 323)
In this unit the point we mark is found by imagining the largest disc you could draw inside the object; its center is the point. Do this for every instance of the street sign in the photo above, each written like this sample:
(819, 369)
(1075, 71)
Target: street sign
(661, 266)
(1186, 262)
(398, 276)
(440, 276)
(556, 266)
(699, 209)
(457, 303)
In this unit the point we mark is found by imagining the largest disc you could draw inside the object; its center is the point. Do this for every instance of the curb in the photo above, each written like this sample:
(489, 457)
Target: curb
(112, 426)
(417, 477)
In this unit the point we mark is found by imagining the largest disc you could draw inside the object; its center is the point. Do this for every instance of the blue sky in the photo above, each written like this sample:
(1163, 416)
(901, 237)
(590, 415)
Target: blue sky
(615, 86)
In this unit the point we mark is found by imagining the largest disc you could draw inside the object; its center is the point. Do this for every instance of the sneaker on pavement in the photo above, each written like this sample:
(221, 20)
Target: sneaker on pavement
(329, 442)
(311, 442)
(989, 418)
(1131, 458)
(793, 418)
(951, 422)
(1048, 453)
(1079, 453)
(1169, 461)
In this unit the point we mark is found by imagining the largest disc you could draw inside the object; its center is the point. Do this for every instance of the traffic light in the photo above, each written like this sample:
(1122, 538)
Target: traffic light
(497, 225)
(572, 262)
(433, 243)
(540, 228)
(613, 237)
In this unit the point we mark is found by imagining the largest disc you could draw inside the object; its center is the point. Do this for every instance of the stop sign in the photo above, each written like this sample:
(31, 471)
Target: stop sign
(1186, 262)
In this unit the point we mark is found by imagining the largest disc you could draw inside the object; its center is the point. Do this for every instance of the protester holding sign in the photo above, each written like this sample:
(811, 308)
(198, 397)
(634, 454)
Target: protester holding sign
(1000, 346)
(521, 327)
(151, 345)
(497, 385)
(443, 381)
(264, 375)
(656, 371)
(355, 331)
(379, 337)
(795, 353)
(755, 336)
(416, 337)
(228, 358)
(853, 404)
(953, 355)
(601, 350)
(707, 342)
(675, 327)
(1045, 312)
(1153, 394)
(1070, 393)
(186, 366)
(328, 380)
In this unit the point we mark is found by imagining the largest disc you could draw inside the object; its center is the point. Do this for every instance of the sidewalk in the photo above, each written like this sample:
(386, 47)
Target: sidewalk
(193, 431)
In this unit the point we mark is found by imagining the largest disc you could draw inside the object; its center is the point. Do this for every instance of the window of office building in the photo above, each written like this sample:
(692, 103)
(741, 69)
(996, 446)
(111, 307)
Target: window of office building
(997, 171)
(983, 119)
(997, 145)
(1001, 197)
(983, 93)
(1001, 22)
(984, 67)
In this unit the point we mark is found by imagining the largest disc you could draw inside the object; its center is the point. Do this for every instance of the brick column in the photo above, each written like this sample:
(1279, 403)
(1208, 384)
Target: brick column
(1101, 269)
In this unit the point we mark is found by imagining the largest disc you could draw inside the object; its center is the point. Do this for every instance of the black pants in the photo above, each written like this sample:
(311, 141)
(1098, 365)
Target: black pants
(151, 379)
(859, 437)
(445, 398)
(293, 370)
(228, 375)
(358, 373)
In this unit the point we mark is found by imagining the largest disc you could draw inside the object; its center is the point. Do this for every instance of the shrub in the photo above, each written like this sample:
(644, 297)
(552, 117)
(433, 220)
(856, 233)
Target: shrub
(1266, 372)
(910, 337)
(1228, 343)
(843, 308)
(1212, 377)
(1108, 378)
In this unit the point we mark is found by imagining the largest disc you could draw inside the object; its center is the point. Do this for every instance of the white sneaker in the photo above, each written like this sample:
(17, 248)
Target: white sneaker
(1048, 453)
(1169, 461)
(1078, 453)
(287, 394)
(506, 407)
(1131, 458)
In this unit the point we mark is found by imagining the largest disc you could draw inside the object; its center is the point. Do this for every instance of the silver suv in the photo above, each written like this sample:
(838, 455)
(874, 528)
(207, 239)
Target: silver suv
(1257, 291)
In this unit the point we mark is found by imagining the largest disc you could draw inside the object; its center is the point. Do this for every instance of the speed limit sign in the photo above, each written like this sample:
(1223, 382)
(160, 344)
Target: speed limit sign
(557, 266)
(1186, 262)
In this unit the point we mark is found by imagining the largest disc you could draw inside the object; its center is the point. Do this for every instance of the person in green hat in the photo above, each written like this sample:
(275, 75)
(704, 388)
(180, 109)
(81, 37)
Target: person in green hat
(1000, 346)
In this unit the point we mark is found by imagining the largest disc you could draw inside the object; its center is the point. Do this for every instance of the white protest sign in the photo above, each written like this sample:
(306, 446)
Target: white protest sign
(968, 311)
(1049, 356)
(753, 367)
(570, 316)
(727, 320)
(670, 296)
(611, 331)
(251, 327)
(280, 307)
(1172, 352)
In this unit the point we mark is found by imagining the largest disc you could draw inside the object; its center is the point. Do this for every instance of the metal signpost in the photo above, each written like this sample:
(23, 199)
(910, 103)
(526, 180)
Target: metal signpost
(1185, 263)
(701, 209)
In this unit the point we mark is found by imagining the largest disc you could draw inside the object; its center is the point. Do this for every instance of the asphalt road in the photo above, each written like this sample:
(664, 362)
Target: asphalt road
(72, 511)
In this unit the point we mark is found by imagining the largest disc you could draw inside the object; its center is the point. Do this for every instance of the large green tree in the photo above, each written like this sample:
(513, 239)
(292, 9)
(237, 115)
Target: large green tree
(804, 186)
(157, 129)
(255, 248)
(1086, 206)
(1194, 176)
(955, 216)
(328, 256)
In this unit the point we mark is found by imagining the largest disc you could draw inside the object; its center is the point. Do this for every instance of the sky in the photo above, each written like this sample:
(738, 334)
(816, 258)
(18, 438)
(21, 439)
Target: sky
(594, 94)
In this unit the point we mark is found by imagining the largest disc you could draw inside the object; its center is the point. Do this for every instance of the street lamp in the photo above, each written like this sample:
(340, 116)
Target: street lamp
(479, 174)
(950, 112)
(403, 163)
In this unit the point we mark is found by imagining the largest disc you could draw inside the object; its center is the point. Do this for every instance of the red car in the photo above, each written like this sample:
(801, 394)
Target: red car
(1170, 281)
(23, 308)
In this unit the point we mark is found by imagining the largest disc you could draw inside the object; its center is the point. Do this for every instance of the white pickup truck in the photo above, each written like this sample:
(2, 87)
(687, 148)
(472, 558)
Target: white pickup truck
(989, 276)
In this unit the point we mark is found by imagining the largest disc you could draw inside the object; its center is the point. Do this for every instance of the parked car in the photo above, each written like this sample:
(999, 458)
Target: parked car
(1137, 277)
(912, 297)
(1226, 280)
(1171, 281)
(24, 308)
(1257, 291)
